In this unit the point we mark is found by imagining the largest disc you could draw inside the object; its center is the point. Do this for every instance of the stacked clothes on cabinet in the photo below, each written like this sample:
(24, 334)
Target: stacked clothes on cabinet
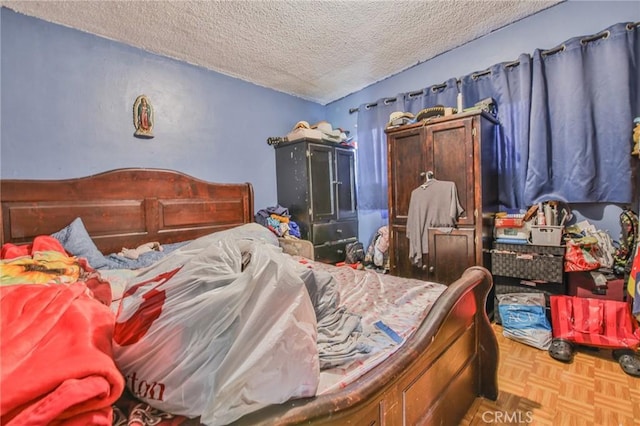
(278, 220)
(322, 131)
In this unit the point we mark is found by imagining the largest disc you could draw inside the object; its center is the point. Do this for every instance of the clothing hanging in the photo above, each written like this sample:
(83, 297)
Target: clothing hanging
(434, 204)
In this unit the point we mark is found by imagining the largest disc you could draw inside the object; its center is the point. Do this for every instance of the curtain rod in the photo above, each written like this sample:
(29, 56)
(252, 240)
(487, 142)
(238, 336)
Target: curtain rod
(601, 35)
(437, 87)
(433, 88)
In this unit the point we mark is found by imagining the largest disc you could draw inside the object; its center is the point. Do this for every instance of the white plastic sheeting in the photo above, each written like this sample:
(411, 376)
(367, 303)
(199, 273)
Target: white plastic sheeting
(231, 331)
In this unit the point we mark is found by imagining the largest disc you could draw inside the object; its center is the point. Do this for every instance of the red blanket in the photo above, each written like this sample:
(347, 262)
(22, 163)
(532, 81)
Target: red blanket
(56, 365)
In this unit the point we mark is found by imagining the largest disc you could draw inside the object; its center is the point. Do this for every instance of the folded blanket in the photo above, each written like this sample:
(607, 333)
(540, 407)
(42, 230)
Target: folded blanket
(56, 365)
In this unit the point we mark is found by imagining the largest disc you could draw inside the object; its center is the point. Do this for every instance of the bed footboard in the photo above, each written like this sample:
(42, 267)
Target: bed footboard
(432, 380)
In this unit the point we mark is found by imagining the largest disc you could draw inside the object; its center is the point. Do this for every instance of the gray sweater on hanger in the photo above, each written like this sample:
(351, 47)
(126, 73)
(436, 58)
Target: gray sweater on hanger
(434, 204)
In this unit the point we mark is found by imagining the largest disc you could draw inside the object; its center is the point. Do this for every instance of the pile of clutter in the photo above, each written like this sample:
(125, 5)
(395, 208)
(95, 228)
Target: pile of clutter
(278, 220)
(376, 257)
(402, 118)
(541, 224)
(377, 254)
(322, 131)
(596, 248)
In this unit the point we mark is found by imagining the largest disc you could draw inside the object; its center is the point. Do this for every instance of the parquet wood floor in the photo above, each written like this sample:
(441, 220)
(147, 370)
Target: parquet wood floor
(535, 389)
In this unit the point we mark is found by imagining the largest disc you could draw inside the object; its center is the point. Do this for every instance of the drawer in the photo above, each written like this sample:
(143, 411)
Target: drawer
(334, 231)
(504, 285)
(529, 266)
(332, 252)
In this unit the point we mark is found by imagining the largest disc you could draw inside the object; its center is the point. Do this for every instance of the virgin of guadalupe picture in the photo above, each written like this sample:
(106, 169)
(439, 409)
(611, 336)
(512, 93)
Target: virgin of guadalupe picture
(143, 117)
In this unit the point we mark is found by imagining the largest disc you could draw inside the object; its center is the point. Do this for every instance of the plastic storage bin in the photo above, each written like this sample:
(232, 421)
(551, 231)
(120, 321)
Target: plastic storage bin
(546, 235)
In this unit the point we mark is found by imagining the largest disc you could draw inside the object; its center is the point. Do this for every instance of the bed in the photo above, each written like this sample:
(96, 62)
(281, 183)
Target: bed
(433, 378)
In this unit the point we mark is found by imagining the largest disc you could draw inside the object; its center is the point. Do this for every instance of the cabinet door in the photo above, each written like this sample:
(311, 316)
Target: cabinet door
(407, 158)
(292, 162)
(450, 253)
(399, 261)
(321, 183)
(345, 184)
(453, 160)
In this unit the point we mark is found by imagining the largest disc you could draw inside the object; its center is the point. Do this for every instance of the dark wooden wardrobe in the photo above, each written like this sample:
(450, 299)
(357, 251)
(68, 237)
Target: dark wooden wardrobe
(316, 182)
(461, 148)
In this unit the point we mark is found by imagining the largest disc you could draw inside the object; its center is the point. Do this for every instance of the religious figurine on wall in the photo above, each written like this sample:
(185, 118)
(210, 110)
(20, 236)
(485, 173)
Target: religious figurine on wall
(143, 117)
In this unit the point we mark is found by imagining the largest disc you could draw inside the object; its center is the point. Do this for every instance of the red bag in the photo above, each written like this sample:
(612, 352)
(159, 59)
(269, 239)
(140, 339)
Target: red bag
(576, 258)
(593, 322)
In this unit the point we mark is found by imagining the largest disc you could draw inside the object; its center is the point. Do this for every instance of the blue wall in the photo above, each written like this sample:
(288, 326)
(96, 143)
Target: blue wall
(67, 99)
(544, 30)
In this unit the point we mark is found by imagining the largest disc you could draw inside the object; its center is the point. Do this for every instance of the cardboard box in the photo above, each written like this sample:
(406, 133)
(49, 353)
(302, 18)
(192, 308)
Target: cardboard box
(508, 222)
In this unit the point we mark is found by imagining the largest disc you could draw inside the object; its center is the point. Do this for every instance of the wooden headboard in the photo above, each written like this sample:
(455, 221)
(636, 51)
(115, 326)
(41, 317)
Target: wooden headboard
(124, 207)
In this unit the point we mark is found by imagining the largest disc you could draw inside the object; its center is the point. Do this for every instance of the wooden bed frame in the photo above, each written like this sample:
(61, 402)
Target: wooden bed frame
(432, 379)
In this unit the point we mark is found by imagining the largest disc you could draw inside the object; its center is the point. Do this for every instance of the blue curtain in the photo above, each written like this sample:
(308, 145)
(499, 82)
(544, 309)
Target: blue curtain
(584, 98)
(372, 151)
(372, 140)
(509, 84)
(439, 94)
(566, 118)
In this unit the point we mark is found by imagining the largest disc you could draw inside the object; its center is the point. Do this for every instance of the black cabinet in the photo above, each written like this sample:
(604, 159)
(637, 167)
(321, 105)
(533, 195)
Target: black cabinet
(316, 182)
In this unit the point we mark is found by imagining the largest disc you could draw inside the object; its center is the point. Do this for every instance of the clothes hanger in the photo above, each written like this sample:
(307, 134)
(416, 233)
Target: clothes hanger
(428, 177)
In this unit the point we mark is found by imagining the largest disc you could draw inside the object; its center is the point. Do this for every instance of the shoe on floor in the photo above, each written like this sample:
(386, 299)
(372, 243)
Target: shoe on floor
(628, 360)
(561, 349)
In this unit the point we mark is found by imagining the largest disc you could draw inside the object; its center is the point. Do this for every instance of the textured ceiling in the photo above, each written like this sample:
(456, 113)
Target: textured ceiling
(316, 50)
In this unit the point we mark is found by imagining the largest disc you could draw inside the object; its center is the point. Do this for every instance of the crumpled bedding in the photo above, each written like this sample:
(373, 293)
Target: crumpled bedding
(212, 327)
(56, 365)
(41, 262)
(225, 257)
(45, 261)
(143, 260)
(399, 303)
(341, 339)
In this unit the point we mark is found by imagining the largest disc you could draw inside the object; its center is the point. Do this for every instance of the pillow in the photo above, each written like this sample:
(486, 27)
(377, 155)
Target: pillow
(76, 240)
